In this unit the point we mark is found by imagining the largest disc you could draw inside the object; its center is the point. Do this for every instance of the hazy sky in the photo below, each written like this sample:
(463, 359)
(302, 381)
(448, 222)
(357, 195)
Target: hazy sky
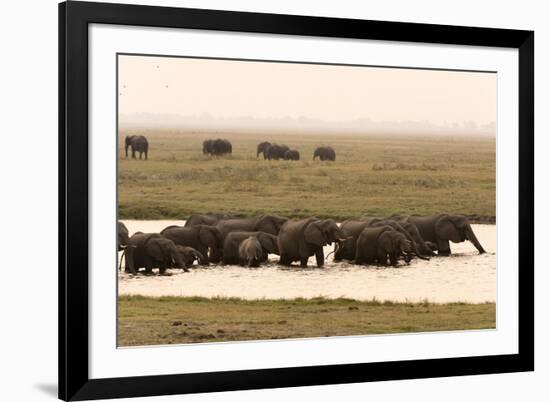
(223, 88)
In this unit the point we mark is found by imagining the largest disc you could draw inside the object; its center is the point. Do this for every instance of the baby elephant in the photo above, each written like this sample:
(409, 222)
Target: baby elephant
(250, 252)
(377, 244)
(189, 255)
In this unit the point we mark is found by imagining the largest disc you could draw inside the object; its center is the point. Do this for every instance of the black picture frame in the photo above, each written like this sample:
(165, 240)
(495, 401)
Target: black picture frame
(74, 381)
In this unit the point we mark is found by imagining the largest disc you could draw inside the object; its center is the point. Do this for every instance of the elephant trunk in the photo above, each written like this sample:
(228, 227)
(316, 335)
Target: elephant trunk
(126, 149)
(179, 261)
(470, 235)
(129, 256)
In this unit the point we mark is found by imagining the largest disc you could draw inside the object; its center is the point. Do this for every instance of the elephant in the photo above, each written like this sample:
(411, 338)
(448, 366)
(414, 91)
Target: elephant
(291, 155)
(408, 229)
(262, 149)
(300, 239)
(207, 147)
(217, 147)
(150, 250)
(352, 230)
(263, 223)
(189, 255)
(380, 243)
(325, 154)
(138, 143)
(250, 252)
(442, 228)
(200, 237)
(206, 219)
(123, 236)
(268, 243)
(276, 151)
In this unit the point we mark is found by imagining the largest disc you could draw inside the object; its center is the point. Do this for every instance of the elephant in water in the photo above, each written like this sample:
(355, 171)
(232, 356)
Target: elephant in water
(353, 229)
(300, 239)
(123, 236)
(138, 143)
(411, 232)
(325, 154)
(263, 223)
(268, 243)
(378, 244)
(250, 252)
(150, 250)
(262, 149)
(291, 155)
(442, 228)
(200, 237)
(276, 151)
(189, 255)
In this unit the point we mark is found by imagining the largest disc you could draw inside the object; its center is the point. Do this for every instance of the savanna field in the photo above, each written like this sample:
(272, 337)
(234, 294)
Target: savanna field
(373, 175)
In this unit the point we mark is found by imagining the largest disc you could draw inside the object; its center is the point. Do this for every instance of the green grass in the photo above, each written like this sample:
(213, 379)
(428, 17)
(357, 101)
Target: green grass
(374, 175)
(173, 320)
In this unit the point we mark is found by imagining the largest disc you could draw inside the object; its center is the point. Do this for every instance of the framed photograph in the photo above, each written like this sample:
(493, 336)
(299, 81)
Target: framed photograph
(258, 201)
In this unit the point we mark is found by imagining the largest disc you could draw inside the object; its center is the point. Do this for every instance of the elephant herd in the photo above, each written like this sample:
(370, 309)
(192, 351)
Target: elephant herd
(219, 147)
(275, 151)
(222, 239)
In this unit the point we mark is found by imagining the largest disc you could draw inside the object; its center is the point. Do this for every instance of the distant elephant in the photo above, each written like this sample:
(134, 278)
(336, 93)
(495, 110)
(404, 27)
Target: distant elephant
(205, 219)
(189, 255)
(262, 149)
(442, 228)
(217, 147)
(230, 255)
(151, 250)
(325, 154)
(123, 236)
(263, 223)
(300, 239)
(291, 155)
(138, 143)
(380, 244)
(276, 151)
(207, 147)
(250, 252)
(200, 237)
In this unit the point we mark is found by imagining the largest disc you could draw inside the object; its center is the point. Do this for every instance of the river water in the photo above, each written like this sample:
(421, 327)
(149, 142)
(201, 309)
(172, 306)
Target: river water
(466, 276)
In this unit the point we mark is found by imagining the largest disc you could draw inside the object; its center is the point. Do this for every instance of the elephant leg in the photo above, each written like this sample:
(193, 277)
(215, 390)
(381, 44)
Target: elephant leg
(382, 257)
(303, 261)
(443, 247)
(284, 260)
(320, 257)
(148, 265)
(145, 155)
(162, 269)
(214, 257)
(264, 257)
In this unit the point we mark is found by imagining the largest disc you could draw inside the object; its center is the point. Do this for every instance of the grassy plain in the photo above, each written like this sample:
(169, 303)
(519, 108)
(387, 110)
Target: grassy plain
(373, 175)
(173, 320)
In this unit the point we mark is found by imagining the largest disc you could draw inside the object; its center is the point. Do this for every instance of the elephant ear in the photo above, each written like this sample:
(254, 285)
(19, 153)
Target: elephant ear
(267, 224)
(314, 235)
(385, 241)
(268, 243)
(155, 249)
(206, 236)
(446, 229)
